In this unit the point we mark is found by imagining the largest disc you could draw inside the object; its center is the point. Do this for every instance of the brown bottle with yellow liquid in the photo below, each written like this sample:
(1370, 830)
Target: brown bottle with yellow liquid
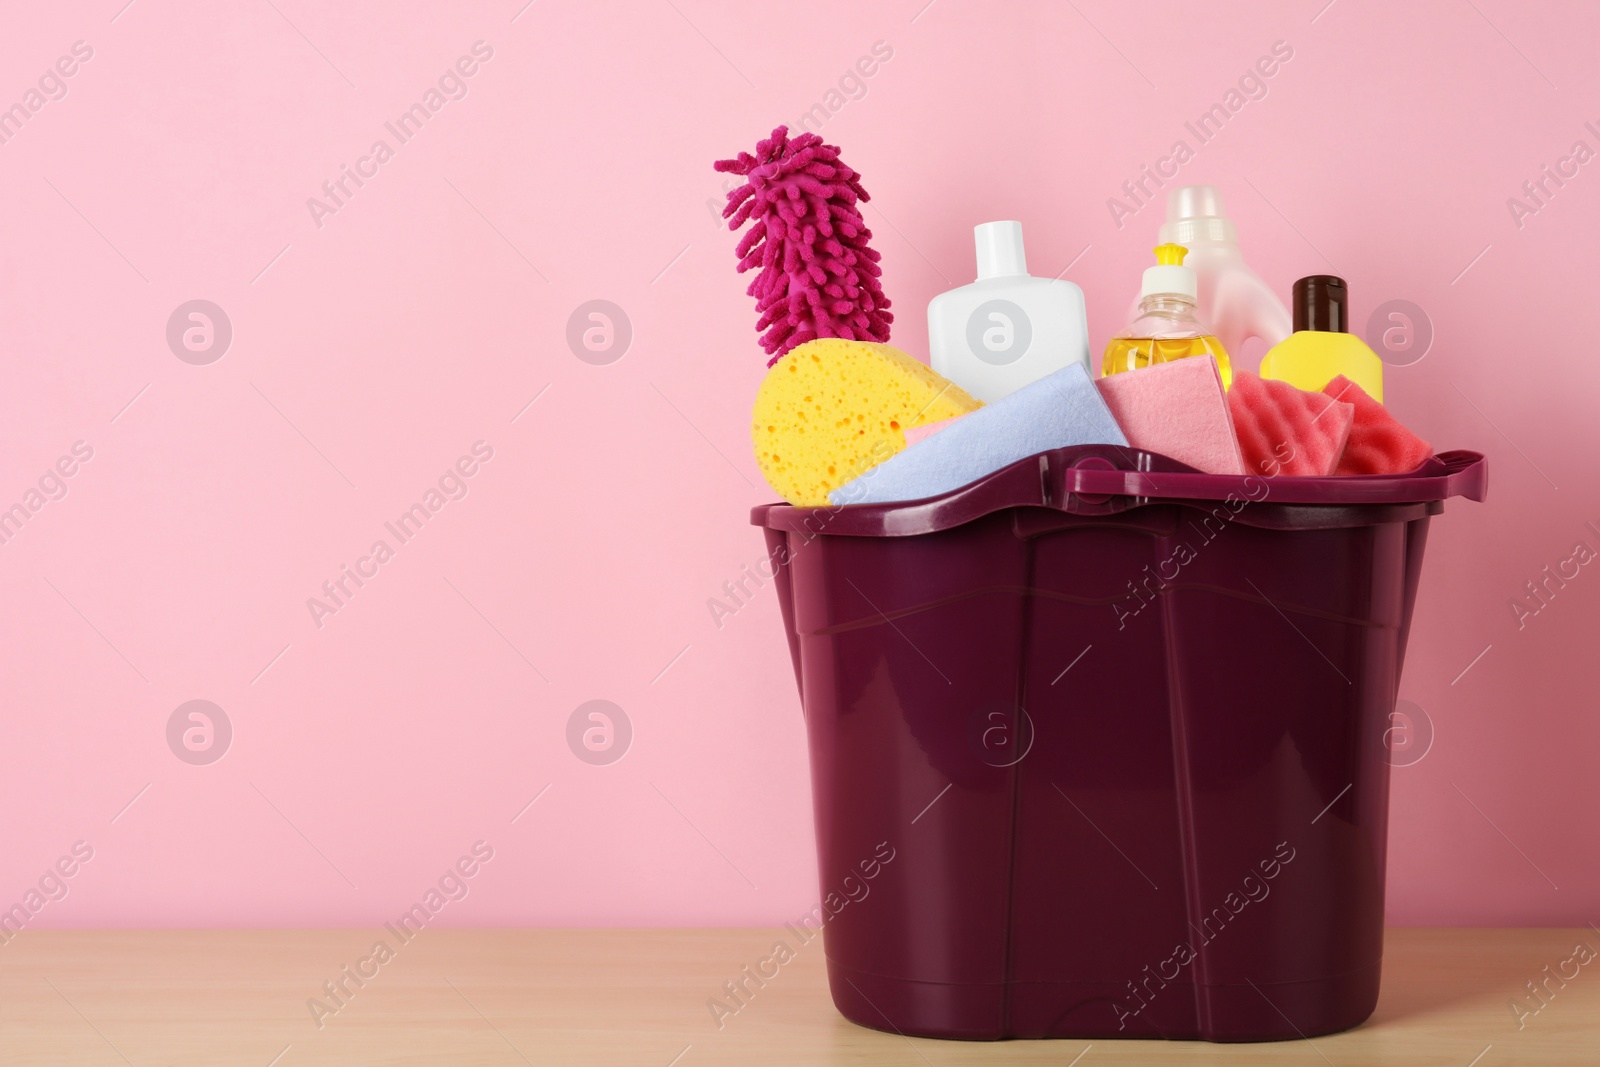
(1166, 329)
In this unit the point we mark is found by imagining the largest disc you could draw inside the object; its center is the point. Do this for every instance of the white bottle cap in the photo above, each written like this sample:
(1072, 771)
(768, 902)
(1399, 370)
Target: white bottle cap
(1194, 213)
(1169, 277)
(1175, 281)
(1000, 251)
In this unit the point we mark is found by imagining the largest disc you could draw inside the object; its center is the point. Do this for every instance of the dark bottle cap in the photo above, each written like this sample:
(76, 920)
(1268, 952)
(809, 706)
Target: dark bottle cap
(1321, 303)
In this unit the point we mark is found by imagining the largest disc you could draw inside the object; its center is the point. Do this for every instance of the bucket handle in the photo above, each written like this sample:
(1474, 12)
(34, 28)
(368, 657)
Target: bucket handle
(1090, 484)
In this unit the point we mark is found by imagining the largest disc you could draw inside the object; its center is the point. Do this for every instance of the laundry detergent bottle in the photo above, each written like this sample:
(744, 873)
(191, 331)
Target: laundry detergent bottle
(1230, 297)
(1321, 347)
(1165, 329)
(1008, 328)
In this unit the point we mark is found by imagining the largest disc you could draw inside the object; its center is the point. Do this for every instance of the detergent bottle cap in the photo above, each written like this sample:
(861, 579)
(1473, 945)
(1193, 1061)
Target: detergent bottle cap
(1169, 277)
(1321, 302)
(1194, 213)
(1000, 252)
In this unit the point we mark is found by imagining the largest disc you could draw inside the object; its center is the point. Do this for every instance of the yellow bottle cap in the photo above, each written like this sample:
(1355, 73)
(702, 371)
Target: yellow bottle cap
(1170, 255)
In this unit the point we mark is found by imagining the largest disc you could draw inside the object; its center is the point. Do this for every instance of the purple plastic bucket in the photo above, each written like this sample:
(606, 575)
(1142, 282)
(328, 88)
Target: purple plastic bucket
(1122, 732)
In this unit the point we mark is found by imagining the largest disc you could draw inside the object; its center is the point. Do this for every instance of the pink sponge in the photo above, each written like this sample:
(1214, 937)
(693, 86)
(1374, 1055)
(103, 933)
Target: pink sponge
(1176, 409)
(1284, 430)
(926, 430)
(1378, 443)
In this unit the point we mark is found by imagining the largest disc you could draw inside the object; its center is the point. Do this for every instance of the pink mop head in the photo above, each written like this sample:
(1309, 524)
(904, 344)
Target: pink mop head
(819, 277)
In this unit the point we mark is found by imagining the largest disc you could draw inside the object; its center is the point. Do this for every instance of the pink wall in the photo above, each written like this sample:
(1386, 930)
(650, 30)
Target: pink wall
(373, 347)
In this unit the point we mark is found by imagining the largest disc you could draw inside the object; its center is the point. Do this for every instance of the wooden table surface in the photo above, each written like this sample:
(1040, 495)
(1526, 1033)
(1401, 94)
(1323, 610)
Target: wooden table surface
(639, 997)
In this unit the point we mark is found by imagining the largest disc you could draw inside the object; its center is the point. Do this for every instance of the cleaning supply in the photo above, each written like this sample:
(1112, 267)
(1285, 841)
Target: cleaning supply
(1166, 328)
(1321, 346)
(1056, 411)
(1378, 443)
(1230, 297)
(1204, 683)
(819, 275)
(1284, 430)
(926, 430)
(1178, 410)
(1008, 328)
(831, 409)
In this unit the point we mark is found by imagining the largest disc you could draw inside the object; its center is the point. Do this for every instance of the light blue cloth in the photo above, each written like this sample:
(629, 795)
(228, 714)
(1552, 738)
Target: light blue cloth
(1057, 411)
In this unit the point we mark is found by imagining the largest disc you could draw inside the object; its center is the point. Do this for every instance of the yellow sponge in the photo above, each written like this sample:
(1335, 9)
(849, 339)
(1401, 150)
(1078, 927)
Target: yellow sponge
(830, 410)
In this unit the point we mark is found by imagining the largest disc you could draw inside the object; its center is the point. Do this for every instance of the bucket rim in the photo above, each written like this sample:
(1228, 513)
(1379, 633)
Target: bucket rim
(1106, 479)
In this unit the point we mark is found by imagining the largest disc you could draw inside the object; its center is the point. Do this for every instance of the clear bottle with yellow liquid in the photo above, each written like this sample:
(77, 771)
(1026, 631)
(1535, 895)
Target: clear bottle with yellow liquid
(1166, 329)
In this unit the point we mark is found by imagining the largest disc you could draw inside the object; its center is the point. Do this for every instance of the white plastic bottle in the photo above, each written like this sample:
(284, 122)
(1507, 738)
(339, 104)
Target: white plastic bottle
(1233, 300)
(1008, 328)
